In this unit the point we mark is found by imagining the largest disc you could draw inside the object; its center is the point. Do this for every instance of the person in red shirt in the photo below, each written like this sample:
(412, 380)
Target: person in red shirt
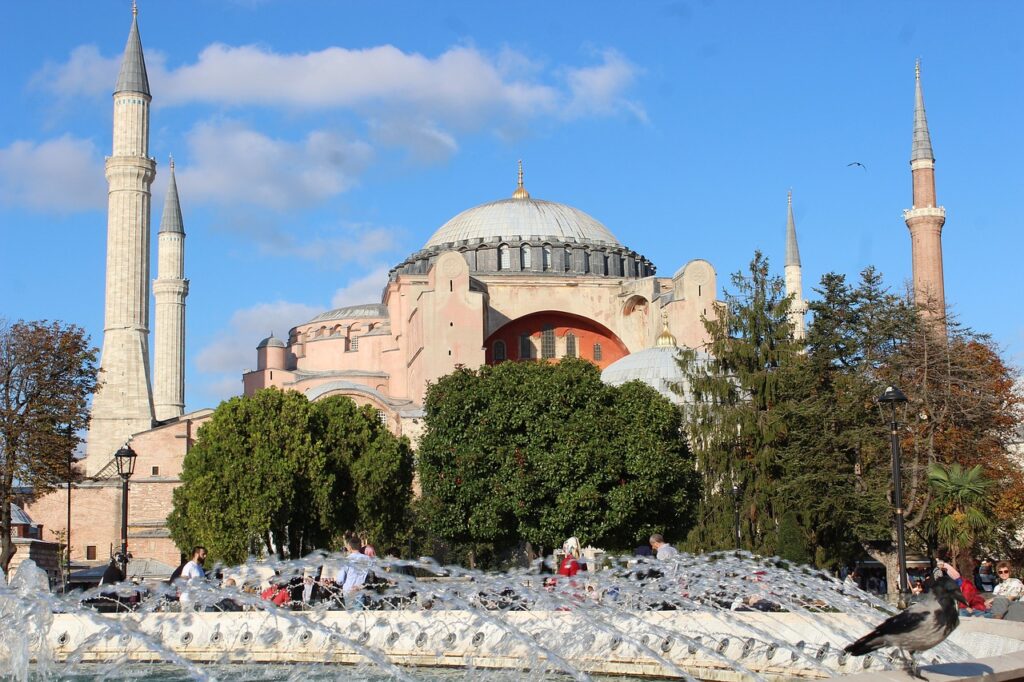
(276, 594)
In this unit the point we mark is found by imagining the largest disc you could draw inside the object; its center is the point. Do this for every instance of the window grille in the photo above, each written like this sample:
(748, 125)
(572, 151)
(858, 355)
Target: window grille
(499, 351)
(524, 256)
(353, 344)
(382, 417)
(547, 342)
(570, 345)
(597, 351)
(546, 258)
(504, 258)
(568, 259)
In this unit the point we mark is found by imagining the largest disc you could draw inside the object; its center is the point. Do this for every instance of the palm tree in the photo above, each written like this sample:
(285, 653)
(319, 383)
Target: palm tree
(962, 504)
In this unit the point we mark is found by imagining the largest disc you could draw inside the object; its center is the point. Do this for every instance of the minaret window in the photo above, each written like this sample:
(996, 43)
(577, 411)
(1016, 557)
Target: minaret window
(570, 345)
(524, 256)
(499, 351)
(547, 342)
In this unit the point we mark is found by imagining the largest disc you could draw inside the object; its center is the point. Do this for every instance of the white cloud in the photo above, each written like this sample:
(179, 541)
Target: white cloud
(354, 245)
(365, 289)
(599, 89)
(233, 349)
(60, 175)
(463, 87)
(232, 164)
(426, 142)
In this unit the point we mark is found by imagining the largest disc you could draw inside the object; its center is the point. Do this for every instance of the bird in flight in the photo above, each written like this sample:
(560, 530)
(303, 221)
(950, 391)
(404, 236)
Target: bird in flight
(924, 625)
(857, 163)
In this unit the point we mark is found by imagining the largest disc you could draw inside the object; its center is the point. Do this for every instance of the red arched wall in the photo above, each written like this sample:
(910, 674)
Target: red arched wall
(587, 334)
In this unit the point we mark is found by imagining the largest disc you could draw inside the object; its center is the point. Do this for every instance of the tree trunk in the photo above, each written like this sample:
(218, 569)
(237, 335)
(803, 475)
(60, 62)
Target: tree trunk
(890, 561)
(6, 546)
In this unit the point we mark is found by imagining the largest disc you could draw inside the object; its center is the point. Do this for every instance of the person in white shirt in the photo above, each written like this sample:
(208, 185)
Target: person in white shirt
(190, 572)
(352, 576)
(662, 549)
(1008, 587)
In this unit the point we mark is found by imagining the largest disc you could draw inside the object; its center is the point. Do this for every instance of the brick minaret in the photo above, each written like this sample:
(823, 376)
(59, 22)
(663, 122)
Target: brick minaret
(925, 219)
(794, 277)
(170, 289)
(123, 404)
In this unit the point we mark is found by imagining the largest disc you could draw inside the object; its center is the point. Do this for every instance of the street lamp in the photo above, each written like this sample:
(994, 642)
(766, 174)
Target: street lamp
(736, 512)
(894, 396)
(125, 459)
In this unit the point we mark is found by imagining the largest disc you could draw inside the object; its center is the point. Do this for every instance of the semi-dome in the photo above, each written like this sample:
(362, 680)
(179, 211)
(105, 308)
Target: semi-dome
(657, 367)
(522, 217)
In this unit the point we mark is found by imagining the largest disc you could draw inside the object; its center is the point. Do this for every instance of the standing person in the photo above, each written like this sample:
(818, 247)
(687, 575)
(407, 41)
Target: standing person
(570, 564)
(352, 576)
(662, 549)
(191, 572)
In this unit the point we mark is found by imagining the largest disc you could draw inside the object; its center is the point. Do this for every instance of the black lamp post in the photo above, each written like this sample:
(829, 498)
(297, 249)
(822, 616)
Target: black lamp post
(894, 396)
(125, 458)
(736, 513)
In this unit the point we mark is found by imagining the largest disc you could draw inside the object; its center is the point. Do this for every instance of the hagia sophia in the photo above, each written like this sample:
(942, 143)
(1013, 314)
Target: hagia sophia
(519, 278)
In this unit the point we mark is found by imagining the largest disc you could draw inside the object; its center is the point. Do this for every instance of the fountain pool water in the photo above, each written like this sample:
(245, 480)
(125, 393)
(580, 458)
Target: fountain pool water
(721, 616)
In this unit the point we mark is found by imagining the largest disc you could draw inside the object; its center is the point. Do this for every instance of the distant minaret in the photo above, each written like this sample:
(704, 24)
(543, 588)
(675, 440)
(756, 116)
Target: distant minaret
(794, 277)
(123, 404)
(170, 289)
(925, 219)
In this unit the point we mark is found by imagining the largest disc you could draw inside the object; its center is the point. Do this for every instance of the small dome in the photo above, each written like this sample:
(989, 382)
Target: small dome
(19, 517)
(271, 342)
(657, 367)
(523, 217)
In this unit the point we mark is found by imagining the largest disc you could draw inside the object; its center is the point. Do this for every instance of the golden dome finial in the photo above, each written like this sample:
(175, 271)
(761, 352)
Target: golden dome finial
(520, 192)
(665, 338)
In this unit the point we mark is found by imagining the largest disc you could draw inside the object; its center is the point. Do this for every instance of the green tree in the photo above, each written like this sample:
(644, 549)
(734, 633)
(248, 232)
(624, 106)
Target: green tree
(734, 424)
(962, 507)
(47, 373)
(274, 473)
(536, 452)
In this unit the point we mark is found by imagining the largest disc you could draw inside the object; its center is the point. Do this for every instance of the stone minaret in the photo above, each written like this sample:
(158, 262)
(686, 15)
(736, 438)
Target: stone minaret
(123, 404)
(170, 289)
(925, 219)
(794, 277)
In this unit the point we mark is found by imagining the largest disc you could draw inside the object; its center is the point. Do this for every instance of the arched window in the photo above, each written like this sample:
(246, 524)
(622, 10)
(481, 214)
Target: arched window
(498, 353)
(586, 261)
(547, 342)
(504, 258)
(597, 352)
(622, 266)
(524, 256)
(605, 258)
(525, 347)
(546, 258)
(570, 345)
(568, 258)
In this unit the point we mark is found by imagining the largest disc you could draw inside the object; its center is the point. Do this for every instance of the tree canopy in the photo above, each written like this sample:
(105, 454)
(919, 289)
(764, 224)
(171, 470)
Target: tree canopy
(274, 473)
(47, 373)
(537, 452)
(812, 455)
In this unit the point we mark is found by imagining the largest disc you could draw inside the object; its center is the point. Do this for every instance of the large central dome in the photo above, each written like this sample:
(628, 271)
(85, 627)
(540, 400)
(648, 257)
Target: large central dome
(522, 218)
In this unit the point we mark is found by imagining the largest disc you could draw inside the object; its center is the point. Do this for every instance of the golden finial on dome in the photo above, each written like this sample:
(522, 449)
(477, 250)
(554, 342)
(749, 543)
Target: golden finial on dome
(520, 192)
(665, 338)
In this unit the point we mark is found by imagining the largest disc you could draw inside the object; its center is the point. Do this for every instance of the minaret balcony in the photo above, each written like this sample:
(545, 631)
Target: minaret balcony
(927, 212)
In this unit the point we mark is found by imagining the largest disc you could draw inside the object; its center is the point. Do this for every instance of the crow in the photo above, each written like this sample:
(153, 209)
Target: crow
(857, 163)
(922, 626)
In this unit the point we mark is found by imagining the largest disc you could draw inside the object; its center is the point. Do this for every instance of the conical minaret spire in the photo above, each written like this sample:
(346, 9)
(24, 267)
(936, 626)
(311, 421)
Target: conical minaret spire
(170, 290)
(926, 218)
(123, 403)
(520, 192)
(794, 275)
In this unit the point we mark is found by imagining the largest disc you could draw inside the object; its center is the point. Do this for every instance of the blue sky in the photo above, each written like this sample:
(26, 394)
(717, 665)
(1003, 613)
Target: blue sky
(319, 143)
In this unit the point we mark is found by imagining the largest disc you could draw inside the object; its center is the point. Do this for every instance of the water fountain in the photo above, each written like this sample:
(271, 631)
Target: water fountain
(715, 617)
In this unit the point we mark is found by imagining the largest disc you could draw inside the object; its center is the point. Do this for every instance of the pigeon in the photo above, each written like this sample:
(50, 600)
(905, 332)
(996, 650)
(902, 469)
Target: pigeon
(924, 625)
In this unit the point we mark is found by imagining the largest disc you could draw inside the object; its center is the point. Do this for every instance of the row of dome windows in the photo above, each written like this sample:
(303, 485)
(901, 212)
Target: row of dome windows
(526, 260)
